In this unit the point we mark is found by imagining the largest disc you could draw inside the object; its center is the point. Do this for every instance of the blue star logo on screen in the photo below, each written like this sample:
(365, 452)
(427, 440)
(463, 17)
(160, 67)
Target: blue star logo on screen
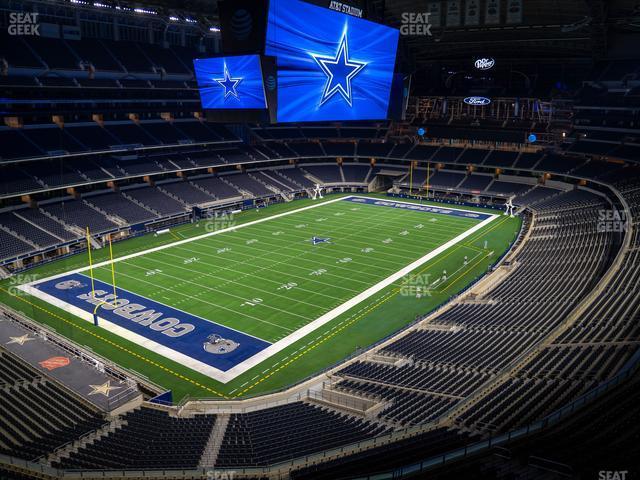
(228, 83)
(340, 70)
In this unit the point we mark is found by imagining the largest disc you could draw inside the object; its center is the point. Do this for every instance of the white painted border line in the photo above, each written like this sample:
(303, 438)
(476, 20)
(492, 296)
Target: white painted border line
(340, 309)
(187, 240)
(431, 204)
(127, 334)
(181, 311)
(225, 377)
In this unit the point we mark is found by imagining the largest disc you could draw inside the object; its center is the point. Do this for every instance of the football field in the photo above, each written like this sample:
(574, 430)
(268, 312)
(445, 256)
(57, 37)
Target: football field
(225, 301)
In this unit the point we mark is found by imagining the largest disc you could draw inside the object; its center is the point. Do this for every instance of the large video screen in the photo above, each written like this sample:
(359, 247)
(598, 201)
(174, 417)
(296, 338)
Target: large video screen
(230, 82)
(331, 66)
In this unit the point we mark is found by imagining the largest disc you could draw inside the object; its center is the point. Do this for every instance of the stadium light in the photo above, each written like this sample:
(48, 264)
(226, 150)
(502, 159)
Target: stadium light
(145, 11)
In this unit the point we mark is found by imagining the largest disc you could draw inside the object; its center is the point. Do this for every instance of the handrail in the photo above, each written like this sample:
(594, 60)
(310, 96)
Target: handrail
(340, 363)
(585, 303)
(266, 162)
(554, 417)
(257, 162)
(114, 370)
(532, 428)
(339, 451)
(281, 470)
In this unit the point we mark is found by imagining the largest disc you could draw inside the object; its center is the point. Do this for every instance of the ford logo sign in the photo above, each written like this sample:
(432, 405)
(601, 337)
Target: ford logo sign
(477, 101)
(485, 63)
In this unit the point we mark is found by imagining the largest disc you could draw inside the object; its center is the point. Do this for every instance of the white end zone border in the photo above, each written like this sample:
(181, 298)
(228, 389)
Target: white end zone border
(227, 376)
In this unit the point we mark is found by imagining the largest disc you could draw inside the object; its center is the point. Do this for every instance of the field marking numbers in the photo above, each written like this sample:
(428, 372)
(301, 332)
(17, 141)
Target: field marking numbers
(305, 330)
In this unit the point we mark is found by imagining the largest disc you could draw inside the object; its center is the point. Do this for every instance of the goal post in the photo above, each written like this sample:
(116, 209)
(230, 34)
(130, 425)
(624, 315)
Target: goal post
(113, 275)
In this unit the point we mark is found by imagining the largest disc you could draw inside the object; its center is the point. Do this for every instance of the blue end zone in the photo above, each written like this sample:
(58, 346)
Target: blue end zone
(195, 337)
(420, 208)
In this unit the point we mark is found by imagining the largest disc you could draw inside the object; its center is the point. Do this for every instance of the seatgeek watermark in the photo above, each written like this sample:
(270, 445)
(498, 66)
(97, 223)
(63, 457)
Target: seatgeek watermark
(221, 474)
(416, 286)
(219, 221)
(613, 474)
(415, 24)
(614, 221)
(20, 279)
(24, 23)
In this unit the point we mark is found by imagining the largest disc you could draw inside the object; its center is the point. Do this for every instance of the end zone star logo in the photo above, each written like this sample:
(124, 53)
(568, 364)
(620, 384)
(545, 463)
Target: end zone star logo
(340, 70)
(228, 83)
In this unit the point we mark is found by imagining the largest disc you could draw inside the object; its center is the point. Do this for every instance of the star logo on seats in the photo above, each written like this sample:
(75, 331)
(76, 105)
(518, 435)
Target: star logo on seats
(340, 70)
(228, 83)
(20, 340)
(103, 389)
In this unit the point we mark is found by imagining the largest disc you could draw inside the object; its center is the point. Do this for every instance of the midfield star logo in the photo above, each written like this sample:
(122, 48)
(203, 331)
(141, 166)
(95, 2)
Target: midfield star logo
(340, 70)
(229, 84)
(319, 240)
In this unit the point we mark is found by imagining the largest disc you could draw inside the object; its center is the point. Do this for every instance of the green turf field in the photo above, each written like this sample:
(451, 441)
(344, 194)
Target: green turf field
(269, 280)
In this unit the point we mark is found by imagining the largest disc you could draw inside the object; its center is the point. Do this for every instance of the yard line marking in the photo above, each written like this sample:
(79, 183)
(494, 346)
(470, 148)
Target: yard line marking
(287, 258)
(289, 274)
(193, 297)
(341, 309)
(358, 233)
(189, 240)
(341, 326)
(443, 219)
(374, 220)
(253, 273)
(184, 281)
(294, 336)
(331, 258)
(465, 272)
(373, 225)
(350, 320)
